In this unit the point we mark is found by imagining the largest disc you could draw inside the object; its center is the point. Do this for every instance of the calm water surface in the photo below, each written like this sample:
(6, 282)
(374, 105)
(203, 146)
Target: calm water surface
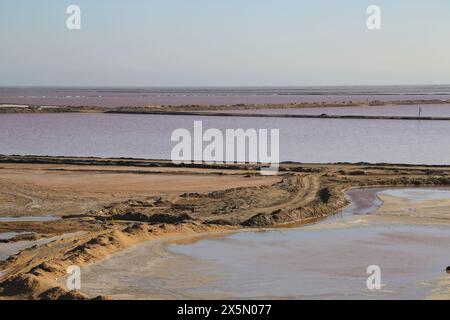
(303, 140)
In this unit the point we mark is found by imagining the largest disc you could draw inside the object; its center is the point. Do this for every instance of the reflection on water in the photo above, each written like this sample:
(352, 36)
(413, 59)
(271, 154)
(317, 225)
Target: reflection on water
(322, 261)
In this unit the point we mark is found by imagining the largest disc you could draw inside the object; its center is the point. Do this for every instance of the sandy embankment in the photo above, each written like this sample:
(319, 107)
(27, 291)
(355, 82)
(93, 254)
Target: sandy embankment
(117, 206)
(32, 108)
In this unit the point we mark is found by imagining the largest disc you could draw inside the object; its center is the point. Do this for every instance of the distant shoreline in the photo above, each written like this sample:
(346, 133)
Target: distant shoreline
(164, 163)
(301, 116)
(206, 110)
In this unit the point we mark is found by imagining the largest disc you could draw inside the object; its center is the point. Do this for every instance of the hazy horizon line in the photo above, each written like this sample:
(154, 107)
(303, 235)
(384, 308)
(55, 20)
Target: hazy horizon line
(224, 86)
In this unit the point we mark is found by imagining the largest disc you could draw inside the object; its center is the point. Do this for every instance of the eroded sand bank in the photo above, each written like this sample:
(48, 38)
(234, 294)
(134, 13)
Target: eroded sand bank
(143, 200)
(327, 260)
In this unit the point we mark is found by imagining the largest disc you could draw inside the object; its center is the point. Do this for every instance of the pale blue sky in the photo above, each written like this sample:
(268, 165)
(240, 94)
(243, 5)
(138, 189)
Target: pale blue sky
(224, 43)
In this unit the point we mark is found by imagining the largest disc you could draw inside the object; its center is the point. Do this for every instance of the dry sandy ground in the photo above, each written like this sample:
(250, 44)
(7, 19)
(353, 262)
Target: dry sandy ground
(61, 190)
(118, 206)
